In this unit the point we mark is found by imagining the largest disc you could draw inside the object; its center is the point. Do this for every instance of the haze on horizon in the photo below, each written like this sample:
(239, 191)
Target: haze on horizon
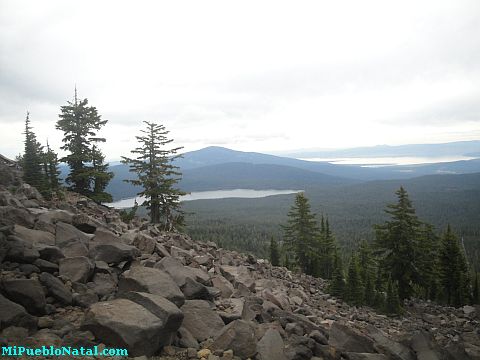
(264, 76)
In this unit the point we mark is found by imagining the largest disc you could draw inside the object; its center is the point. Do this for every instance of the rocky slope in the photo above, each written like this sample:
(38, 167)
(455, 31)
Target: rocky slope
(73, 274)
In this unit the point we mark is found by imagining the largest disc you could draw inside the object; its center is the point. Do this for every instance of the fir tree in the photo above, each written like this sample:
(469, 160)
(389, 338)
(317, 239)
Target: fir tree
(454, 277)
(80, 124)
(51, 171)
(325, 253)
(427, 261)
(476, 291)
(300, 234)
(274, 252)
(397, 241)
(32, 159)
(354, 292)
(392, 304)
(337, 285)
(157, 176)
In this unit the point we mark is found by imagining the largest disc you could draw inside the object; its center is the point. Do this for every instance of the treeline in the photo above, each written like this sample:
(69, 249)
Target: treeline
(406, 259)
(88, 174)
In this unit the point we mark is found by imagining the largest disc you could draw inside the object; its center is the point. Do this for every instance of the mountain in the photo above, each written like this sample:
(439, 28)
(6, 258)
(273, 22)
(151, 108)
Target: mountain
(424, 150)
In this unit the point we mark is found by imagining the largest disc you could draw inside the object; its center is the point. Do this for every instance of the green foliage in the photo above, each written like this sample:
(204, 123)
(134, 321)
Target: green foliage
(88, 174)
(32, 159)
(393, 304)
(427, 262)
(454, 275)
(301, 233)
(326, 248)
(337, 284)
(157, 176)
(128, 215)
(354, 291)
(274, 252)
(397, 240)
(476, 291)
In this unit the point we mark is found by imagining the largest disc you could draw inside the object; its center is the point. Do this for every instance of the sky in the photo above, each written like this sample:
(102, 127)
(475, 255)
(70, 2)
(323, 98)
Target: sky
(267, 76)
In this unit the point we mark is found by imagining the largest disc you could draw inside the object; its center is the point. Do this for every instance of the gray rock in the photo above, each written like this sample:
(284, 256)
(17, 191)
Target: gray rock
(6, 199)
(194, 290)
(103, 284)
(225, 287)
(144, 243)
(54, 216)
(45, 265)
(365, 356)
(20, 251)
(26, 292)
(186, 340)
(49, 253)
(239, 336)
(30, 192)
(85, 299)
(56, 288)
(123, 323)
(113, 252)
(179, 272)
(11, 215)
(77, 269)
(346, 339)
(200, 320)
(34, 236)
(70, 240)
(238, 275)
(15, 314)
(424, 348)
(150, 280)
(393, 349)
(271, 346)
(166, 311)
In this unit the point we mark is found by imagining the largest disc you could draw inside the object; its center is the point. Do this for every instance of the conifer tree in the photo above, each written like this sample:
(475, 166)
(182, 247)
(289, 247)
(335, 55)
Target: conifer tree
(51, 171)
(393, 304)
(354, 292)
(454, 277)
(325, 252)
(337, 285)
(427, 261)
(397, 241)
(476, 290)
(80, 124)
(157, 175)
(300, 234)
(274, 252)
(32, 159)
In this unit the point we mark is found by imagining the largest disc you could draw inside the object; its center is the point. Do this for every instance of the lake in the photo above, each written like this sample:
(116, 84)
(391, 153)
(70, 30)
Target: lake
(214, 194)
(389, 161)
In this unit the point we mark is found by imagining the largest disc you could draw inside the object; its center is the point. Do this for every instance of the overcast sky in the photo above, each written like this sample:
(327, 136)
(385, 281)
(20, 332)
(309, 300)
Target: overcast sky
(249, 75)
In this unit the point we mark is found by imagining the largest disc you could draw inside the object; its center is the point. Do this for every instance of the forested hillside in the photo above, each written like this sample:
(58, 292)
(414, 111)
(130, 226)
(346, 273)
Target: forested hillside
(247, 224)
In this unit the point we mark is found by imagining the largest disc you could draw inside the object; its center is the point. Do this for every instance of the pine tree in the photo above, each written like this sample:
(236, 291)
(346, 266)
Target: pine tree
(354, 292)
(454, 277)
(274, 252)
(325, 252)
(476, 291)
(157, 176)
(397, 241)
(300, 234)
(427, 261)
(80, 124)
(32, 159)
(392, 304)
(337, 284)
(51, 173)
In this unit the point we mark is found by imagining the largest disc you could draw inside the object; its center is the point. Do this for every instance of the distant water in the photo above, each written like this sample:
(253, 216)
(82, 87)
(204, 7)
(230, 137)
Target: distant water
(215, 194)
(391, 161)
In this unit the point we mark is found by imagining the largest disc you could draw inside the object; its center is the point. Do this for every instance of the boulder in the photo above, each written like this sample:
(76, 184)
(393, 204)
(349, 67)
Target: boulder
(56, 288)
(185, 339)
(166, 311)
(424, 347)
(6, 199)
(393, 349)
(45, 265)
(271, 346)
(54, 216)
(16, 249)
(200, 320)
(26, 292)
(103, 284)
(85, 223)
(365, 356)
(144, 243)
(194, 290)
(49, 253)
(222, 284)
(238, 275)
(77, 269)
(12, 215)
(239, 336)
(123, 323)
(179, 272)
(70, 240)
(30, 192)
(15, 314)
(150, 280)
(346, 339)
(112, 252)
